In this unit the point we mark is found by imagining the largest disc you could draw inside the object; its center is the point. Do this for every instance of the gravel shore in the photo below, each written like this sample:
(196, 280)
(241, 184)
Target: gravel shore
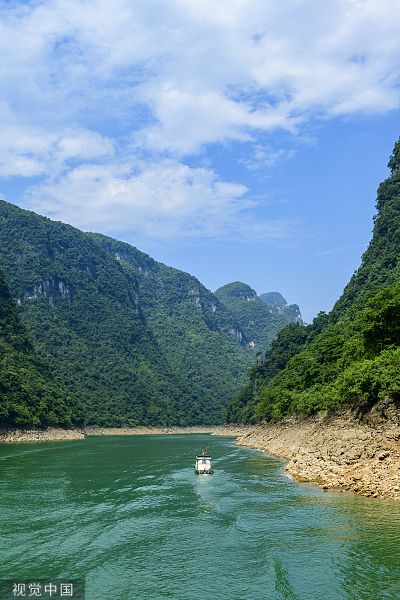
(147, 430)
(54, 434)
(9, 436)
(346, 452)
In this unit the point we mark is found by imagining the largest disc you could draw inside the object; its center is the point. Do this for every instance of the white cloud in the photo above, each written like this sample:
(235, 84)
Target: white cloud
(29, 151)
(97, 82)
(265, 157)
(194, 64)
(164, 200)
(85, 145)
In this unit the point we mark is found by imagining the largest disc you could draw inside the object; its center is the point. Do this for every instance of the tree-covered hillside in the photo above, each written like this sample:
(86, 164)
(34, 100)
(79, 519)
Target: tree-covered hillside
(352, 355)
(260, 317)
(201, 341)
(381, 262)
(135, 341)
(29, 395)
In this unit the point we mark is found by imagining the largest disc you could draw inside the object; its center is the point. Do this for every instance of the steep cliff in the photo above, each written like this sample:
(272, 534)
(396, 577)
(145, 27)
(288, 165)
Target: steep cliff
(29, 394)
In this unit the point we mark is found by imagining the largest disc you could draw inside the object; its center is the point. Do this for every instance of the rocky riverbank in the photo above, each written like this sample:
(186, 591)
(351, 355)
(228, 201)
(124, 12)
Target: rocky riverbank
(232, 430)
(51, 434)
(359, 453)
(148, 430)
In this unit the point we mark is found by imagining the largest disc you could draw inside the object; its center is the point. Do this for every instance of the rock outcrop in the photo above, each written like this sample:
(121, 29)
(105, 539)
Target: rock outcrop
(355, 452)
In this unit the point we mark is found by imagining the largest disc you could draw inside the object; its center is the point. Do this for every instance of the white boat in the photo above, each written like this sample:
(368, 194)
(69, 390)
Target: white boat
(203, 464)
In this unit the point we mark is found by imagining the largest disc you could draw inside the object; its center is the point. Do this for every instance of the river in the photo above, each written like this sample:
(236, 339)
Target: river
(129, 515)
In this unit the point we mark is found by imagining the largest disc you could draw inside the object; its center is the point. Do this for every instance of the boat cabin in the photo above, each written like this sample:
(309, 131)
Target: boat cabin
(203, 464)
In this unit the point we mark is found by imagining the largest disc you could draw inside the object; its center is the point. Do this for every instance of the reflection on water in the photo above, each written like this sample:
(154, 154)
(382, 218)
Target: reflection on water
(130, 515)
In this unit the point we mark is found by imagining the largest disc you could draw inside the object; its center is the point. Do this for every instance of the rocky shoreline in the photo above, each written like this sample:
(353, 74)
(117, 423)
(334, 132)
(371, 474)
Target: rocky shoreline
(348, 452)
(90, 431)
(10, 436)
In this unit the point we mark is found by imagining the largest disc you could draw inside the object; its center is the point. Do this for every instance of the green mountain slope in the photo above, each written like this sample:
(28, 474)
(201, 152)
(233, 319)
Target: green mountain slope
(135, 341)
(260, 317)
(381, 262)
(201, 341)
(352, 355)
(29, 395)
(277, 305)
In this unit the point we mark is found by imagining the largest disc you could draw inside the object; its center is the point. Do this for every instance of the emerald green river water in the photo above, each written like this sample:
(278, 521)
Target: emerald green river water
(129, 515)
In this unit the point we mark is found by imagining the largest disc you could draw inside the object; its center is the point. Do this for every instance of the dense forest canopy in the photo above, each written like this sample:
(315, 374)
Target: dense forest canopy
(29, 394)
(134, 341)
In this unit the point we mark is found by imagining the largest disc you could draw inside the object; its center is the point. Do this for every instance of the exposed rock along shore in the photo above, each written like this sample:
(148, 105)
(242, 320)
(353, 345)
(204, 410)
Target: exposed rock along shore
(343, 452)
(148, 430)
(40, 435)
(55, 434)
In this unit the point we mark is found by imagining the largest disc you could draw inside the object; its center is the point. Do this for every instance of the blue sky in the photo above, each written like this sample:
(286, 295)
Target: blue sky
(239, 140)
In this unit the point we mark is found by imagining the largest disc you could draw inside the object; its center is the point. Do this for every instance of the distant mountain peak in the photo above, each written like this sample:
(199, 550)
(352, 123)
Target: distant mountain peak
(237, 289)
(260, 317)
(273, 299)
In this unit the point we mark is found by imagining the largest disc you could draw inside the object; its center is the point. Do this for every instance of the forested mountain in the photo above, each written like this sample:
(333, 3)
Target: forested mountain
(135, 341)
(29, 395)
(259, 317)
(200, 341)
(350, 356)
(277, 305)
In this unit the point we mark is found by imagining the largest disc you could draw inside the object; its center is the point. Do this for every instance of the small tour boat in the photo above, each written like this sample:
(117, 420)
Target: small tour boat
(203, 464)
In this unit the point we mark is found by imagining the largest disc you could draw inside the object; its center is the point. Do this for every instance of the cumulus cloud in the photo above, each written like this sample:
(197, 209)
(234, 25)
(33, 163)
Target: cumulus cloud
(31, 150)
(165, 199)
(216, 70)
(88, 85)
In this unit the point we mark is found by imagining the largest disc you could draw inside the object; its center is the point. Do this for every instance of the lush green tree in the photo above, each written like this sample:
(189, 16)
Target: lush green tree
(381, 321)
(394, 161)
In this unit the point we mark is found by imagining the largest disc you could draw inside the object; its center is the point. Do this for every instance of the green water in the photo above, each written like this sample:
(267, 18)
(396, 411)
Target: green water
(130, 515)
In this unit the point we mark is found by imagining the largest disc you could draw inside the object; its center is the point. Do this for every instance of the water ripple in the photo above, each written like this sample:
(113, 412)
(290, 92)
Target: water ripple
(130, 515)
